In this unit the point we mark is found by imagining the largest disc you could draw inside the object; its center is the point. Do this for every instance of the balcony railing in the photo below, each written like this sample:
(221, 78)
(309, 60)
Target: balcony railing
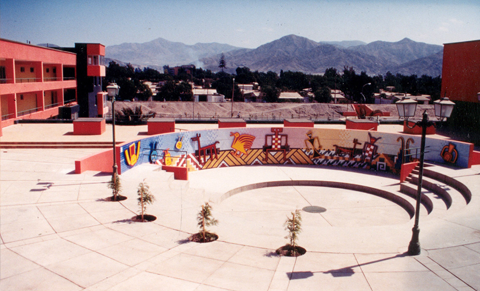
(7, 116)
(69, 101)
(51, 105)
(68, 78)
(29, 111)
(26, 80)
(48, 79)
(4, 80)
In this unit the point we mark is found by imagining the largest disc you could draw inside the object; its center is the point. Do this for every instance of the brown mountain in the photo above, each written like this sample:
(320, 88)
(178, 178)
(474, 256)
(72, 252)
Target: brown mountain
(292, 53)
(159, 52)
(399, 52)
(296, 53)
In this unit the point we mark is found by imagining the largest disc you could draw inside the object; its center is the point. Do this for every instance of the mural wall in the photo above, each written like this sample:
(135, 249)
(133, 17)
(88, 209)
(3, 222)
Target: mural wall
(198, 150)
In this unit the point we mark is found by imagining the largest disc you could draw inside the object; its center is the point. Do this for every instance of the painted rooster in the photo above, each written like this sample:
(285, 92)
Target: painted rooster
(241, 143)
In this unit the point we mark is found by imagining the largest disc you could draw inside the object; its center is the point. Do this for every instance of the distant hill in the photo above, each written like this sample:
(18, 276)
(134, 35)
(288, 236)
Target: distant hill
(295, 53)
(290, 52)
(430, 65)
(344, 43)
(400, 52)
(161, 52)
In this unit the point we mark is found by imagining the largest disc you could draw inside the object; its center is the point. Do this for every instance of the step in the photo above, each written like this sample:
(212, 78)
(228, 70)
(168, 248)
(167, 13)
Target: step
(412, 192)
(432, 187)
(459, 186)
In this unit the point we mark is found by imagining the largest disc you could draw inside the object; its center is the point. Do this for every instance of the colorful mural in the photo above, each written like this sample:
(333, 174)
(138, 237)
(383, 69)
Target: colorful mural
(132, 154)
(206, 149)
(449, 153)
(241, 143)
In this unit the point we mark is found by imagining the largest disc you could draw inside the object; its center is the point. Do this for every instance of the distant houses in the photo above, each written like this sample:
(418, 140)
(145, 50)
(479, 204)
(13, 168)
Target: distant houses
(292, 97)
(389, 96)
(207, 95)
(251, 92)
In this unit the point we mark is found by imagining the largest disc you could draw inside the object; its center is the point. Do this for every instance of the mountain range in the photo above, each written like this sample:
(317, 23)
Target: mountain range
(290, 52)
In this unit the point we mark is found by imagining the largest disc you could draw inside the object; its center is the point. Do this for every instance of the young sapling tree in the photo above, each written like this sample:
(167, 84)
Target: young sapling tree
(294, 226)
(205, 219)
(144, 197)
(116, 186)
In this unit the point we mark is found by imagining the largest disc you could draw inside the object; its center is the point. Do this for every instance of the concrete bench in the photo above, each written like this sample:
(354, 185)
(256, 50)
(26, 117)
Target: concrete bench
(233, 122)
(160, 125)
(361, 124)
(298, 123)
(89, 126)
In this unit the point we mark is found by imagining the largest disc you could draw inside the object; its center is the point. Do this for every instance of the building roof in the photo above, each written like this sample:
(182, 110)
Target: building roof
(203, 91)
(290, 95)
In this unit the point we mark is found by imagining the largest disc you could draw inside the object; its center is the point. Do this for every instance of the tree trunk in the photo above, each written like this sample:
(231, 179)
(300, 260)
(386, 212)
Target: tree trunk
(141, 201)
(203, 228)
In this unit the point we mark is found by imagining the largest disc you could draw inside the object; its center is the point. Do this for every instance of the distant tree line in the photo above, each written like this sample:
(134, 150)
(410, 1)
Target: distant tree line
(177, 88)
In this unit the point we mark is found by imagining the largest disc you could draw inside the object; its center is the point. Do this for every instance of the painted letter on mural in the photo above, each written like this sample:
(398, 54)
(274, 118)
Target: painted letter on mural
(132, 154)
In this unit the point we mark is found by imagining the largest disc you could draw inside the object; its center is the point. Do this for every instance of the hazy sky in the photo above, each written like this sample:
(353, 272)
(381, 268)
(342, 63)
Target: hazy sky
(243, 23)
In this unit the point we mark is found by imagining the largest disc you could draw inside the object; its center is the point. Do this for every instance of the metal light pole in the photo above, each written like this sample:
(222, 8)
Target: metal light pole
(113, 90)
(365, 99)
(406, 108)
(233, 92)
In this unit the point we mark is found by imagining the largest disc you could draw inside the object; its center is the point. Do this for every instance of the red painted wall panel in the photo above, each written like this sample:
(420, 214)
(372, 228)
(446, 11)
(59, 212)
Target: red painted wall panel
(179, 173)
(21, 51)
(90, 127)
(159, 127)
(461, 71)
(95, 49)
(37, 86)
(96, 71)
(406, 169)
(231, 124)
(287, 123)
(97, 162)
(355, 124)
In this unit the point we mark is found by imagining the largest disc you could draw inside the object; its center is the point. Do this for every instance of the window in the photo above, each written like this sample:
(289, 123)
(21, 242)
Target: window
(3, 75)
(21, 97)
(47, 70)
(31, 70)
(54, 70)
(95, 60)
(22, 69)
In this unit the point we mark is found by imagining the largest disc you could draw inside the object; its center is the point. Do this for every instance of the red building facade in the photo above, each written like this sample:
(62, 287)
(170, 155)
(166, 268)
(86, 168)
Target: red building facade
(34, 81)
(461, 71)
(461, 83)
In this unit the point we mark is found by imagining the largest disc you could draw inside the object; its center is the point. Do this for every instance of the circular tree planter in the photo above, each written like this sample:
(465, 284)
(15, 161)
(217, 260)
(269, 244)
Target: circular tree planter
(146, 218)
(119, 198)
(290, 251)
(198, 237)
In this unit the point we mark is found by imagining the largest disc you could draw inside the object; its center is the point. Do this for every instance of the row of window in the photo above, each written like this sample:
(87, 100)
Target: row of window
(22, 69)
(95, 60)
(32, 69)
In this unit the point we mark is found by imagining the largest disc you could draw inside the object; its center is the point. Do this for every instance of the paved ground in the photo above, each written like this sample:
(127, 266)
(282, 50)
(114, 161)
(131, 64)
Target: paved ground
(58, 232)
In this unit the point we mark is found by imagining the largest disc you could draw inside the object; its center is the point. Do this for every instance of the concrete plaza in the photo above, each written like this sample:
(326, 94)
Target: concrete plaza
(58, 232)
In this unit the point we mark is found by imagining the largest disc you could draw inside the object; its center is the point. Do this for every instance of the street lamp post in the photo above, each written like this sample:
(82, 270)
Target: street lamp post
(406, 108)
(365, 99)
(112, 91)
(233, 92)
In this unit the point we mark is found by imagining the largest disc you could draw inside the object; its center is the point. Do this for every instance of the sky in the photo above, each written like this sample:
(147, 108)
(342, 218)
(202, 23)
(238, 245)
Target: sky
(241, 23)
